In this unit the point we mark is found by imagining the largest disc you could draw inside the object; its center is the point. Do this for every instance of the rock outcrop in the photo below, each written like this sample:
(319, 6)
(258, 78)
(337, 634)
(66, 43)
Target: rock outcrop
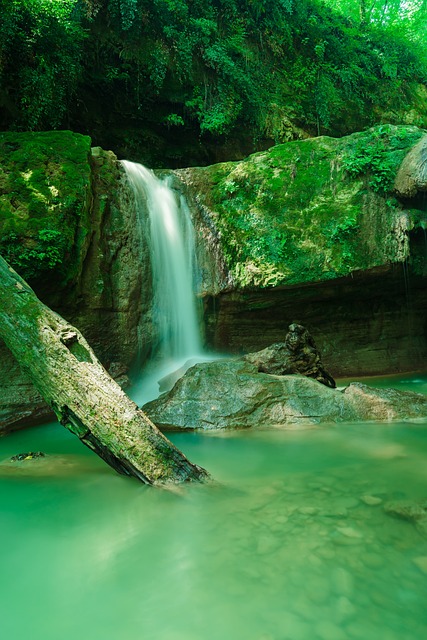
(99, 278)
(311, 231)
(232, 394)
(413, 512)
(298, 354)
(412, 175)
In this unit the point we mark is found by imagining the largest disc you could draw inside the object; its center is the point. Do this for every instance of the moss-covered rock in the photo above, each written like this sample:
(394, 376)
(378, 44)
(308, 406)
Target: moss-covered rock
(45, 193)
(309, 210)
(67, 223)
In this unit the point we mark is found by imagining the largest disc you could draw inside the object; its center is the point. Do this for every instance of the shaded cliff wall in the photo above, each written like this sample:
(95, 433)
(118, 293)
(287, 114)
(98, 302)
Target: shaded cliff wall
(371, 324)
(101, 280)
(313, 231)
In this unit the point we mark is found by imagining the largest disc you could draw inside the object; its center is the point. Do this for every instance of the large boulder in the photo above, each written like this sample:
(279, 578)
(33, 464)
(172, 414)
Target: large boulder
(232, 394)
(306, 211)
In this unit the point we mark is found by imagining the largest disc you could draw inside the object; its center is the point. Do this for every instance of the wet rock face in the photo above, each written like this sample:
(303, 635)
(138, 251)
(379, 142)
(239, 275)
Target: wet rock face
(298, 354)
(108, 299)
(412, 175)
(297, 232)
(370, 324)
(231, 394)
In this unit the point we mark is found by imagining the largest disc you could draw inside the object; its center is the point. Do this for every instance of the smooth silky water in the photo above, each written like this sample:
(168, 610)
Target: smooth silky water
(282, 546)
(165, 224)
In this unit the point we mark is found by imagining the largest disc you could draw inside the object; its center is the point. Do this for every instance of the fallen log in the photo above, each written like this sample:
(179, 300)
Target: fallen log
(85, 399)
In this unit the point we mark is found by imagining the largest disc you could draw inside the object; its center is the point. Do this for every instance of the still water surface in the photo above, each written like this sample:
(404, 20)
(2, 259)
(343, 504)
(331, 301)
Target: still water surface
(292, 543)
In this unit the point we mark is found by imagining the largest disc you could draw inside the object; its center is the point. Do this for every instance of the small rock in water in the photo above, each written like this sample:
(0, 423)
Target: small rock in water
(346, 502)
(328, 553)
(318, 589)
(372, 501)
(267, 544)
(345, 608)
(421, 563)
(282, 519)
(308, 511)
(334, 512)
(373, 560)
(29, 455)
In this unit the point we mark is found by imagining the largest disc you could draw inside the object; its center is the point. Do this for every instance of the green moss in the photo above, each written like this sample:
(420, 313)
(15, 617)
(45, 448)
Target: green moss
(44, 201)
(307, 210)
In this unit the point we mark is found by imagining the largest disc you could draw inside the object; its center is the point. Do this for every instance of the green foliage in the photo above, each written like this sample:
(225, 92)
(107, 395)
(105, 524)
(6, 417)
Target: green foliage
(174, 120)
(41, 48)
(37, 256)
(265, 67)
(44, 192)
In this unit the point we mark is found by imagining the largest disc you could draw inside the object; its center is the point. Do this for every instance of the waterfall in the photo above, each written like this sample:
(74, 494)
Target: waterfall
(170, 236)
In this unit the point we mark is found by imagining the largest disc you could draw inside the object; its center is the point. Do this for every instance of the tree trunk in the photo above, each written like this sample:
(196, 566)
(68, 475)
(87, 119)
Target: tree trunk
(86, 400)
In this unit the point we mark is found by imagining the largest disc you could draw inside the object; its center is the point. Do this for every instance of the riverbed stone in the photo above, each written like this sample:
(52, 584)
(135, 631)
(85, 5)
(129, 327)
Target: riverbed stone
(343, 582)
(344, 609)
(349, 532)
(414, 512)
(373, 560)
(421, 563)
(371, 501)
(233, 394)
(328, 630)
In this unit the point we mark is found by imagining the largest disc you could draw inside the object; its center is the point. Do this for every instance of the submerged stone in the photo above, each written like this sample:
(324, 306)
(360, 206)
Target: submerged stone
(371, 501)
(414, 512)
(421, 563)
(30, 455)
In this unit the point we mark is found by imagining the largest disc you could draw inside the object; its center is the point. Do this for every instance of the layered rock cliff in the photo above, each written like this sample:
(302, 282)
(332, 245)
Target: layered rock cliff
(316, 232)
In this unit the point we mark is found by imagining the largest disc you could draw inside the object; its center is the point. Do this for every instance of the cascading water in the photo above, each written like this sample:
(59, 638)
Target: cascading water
(171, 240)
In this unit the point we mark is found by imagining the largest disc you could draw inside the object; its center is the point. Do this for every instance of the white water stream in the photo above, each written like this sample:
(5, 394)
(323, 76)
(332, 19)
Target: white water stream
(170, 236)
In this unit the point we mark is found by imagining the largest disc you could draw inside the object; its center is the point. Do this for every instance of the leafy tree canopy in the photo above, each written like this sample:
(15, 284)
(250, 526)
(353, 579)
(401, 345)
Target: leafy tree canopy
(269, 68)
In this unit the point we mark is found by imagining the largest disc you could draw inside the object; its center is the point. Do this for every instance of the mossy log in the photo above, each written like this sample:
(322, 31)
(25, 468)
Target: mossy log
(85, 399)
